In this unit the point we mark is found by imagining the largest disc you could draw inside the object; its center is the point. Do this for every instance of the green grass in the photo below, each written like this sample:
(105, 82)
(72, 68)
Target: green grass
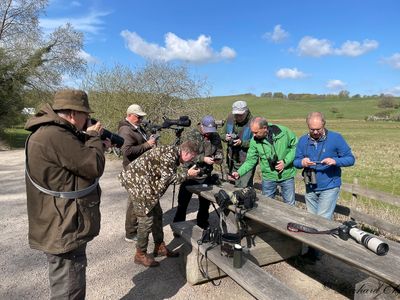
(15, 137)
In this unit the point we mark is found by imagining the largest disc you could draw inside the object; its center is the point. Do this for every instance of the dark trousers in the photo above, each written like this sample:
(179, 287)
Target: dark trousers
(67, 274)
(131, 221)
(184, 197)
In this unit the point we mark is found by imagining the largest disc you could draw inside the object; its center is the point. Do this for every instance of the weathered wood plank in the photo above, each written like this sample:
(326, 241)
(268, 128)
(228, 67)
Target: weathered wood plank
(276, 215)
(252, 278)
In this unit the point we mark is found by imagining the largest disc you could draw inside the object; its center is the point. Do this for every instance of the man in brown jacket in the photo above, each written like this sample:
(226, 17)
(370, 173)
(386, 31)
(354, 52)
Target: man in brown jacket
(136, 142)
(63, 166)
(146, 179)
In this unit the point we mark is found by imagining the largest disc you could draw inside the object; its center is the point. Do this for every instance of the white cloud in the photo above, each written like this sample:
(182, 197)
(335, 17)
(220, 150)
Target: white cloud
(278, 35)
(395, 91)
(335, 84)
(91, 23)
(310, 46)
(289, 73)
(87, 57)
(197, 51)
(393, 61)
(354, 48)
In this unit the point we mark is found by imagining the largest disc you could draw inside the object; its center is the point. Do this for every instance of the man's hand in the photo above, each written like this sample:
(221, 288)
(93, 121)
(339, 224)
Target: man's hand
(208, 160)
(237, 142)
(107, 144)
(152, 141)
(280, 165)
(235, 175)
(193, 171)
(328, 161)
(95, 127)
(306, 162)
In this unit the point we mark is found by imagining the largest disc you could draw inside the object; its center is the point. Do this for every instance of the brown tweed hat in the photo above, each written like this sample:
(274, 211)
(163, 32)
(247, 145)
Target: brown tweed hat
(71, 99)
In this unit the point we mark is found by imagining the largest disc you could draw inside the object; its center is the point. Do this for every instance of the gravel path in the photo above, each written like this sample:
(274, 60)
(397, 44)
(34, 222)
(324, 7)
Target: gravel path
(111, 273)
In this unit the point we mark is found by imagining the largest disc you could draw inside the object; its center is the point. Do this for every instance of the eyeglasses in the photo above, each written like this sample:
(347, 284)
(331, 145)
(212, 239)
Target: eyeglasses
(316, 129)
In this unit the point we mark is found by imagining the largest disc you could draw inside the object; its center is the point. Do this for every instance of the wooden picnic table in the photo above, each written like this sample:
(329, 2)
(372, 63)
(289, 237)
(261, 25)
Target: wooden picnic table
(276, 215)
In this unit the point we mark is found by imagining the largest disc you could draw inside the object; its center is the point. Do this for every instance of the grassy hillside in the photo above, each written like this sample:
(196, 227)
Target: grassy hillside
(353, 109)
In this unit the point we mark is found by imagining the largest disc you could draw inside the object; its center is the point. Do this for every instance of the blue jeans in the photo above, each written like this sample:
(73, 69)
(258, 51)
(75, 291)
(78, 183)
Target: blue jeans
(287, 189)
(322, 203)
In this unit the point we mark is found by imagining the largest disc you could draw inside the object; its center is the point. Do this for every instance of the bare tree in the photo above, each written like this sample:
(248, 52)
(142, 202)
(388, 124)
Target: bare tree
(21, 37)
(162, 89)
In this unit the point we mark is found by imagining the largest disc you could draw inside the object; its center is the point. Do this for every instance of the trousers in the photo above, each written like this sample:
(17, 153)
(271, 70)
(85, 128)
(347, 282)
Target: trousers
(67, 274)
(150, 223)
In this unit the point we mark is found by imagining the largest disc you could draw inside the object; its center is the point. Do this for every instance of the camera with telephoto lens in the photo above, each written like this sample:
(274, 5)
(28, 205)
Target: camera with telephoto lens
(234, 137)
(183, 121)
(116, 140)
(349, 229)
(310, 177)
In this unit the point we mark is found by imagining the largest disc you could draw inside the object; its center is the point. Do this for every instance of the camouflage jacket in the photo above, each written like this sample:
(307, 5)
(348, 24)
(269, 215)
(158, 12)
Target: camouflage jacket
(147, 178)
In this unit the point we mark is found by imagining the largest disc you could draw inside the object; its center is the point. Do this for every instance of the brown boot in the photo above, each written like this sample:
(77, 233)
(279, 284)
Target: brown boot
(162, 250)
(142, 258)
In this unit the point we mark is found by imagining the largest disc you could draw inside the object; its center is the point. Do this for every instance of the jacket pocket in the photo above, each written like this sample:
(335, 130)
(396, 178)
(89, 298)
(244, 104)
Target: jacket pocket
(88, 218)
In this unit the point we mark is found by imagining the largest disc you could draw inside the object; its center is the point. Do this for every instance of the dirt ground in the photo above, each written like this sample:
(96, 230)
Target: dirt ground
(111, 273)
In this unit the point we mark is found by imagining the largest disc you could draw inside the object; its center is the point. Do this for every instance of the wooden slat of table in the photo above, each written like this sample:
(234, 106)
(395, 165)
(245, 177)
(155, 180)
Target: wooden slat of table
(251, 277)
(275, 215)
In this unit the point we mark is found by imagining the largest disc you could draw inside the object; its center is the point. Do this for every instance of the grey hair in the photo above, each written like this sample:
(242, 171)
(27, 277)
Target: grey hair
(317, 115)
(260, 121)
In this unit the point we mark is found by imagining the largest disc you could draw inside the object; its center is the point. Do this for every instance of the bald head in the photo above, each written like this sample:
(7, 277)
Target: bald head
(316, 124)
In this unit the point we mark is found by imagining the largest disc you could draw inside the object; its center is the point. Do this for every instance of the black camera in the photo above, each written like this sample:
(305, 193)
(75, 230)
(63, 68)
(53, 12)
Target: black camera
(243, 198)
(234, 137)
(205, 170)
(349, 229)
(183, 121)
(272, 161)
(116, 140)
(310, 177)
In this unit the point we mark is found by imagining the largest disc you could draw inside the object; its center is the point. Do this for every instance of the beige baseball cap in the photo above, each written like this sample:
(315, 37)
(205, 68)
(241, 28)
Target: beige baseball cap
(136, 110)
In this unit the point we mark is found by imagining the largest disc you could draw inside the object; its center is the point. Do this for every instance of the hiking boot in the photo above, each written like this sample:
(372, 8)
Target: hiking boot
(162, 250)
(142, 258)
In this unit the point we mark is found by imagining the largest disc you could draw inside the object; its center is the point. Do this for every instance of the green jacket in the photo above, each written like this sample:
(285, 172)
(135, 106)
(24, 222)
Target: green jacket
(280, 141)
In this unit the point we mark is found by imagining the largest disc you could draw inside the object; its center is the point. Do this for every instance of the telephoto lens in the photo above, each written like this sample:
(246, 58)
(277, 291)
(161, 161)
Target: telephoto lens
(369, 241)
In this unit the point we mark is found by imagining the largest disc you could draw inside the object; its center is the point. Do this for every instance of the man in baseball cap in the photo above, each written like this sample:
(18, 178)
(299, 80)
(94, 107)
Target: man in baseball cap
(136, 110)
(136, 142)
(237, 135)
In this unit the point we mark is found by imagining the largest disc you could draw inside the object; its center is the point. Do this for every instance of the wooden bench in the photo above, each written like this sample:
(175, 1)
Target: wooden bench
(275, 215)
(250, 276)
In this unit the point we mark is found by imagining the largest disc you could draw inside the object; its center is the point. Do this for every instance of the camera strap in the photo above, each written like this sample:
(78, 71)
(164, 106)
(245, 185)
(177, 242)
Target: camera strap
(66, 195)
(295, 227)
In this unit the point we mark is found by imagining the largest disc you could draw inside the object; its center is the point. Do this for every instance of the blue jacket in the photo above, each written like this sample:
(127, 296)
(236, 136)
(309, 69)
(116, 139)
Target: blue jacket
(333, 146)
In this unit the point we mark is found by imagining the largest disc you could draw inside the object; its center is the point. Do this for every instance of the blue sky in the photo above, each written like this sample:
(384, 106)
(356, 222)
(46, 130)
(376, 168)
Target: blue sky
(308, 46)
